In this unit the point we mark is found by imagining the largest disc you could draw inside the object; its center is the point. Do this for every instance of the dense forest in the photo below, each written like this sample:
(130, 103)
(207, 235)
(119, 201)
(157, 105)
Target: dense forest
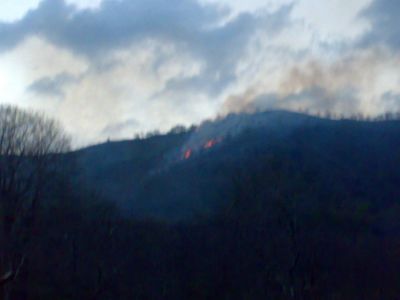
(272, 205)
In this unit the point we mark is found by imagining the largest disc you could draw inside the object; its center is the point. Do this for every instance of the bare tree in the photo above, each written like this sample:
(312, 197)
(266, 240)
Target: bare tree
(30, 144)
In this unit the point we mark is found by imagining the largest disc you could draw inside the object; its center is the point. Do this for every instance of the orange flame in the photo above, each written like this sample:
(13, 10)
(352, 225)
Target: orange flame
(187, 154)
(211, 143)
(207, 145)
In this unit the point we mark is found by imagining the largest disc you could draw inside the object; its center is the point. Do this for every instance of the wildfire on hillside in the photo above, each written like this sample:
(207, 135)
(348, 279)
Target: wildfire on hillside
(210, 143)
(207, 145)
(187, 154)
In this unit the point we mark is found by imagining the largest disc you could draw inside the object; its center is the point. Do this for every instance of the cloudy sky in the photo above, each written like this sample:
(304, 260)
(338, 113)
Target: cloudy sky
(113, 68)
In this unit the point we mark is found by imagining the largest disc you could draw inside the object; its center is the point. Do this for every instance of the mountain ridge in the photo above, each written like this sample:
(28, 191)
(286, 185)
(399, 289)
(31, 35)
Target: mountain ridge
(150, 178)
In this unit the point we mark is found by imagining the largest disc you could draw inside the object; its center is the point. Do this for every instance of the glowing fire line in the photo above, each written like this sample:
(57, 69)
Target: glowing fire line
(187, 154)
(207, 145)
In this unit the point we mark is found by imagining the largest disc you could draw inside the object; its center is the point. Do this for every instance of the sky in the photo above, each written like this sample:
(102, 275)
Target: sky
(114, 68)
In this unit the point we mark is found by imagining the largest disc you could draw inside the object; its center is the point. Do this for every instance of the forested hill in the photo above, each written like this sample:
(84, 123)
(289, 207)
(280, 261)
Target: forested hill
(194, 174)
(272, 205)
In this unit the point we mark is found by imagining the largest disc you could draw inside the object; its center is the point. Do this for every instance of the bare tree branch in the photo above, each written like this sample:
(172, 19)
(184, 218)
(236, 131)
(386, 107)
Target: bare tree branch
(29, 144)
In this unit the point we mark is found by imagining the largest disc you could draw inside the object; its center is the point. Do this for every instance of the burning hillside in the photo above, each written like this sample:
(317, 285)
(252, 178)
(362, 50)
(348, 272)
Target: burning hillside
(211, 133)
(211, 143)
(187, 153)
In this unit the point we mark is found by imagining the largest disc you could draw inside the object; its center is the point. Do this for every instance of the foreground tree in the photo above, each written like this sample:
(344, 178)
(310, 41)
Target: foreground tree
(30, 144)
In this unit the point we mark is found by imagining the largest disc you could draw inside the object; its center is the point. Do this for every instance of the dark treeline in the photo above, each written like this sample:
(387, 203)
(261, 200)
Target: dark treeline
(313, 214)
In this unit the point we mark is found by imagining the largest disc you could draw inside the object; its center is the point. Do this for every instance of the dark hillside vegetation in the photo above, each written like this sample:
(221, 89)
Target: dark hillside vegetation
(116, 169)
(307, 212)
(149, 179)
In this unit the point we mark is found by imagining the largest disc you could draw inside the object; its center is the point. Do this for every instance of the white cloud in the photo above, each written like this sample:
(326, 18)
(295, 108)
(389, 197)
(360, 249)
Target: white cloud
(251, 6)
(86, 4)
(129, 87)
(12, 10)
(131, 66)
(40, 58)
(11, 81)
(332, 20)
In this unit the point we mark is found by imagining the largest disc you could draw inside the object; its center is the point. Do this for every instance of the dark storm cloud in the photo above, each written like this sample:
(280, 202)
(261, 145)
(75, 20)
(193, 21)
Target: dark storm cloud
(50, 20)
(52, 86)
(195, 28)
(385, 23)
(224, 47)
(114, 24)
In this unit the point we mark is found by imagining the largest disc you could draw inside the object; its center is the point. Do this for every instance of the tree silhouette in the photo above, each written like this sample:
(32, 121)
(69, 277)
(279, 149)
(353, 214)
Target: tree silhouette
(30, 144)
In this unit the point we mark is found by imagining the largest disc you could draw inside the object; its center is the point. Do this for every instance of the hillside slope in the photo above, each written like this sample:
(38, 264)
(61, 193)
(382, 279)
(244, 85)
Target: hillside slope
(252, 157)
